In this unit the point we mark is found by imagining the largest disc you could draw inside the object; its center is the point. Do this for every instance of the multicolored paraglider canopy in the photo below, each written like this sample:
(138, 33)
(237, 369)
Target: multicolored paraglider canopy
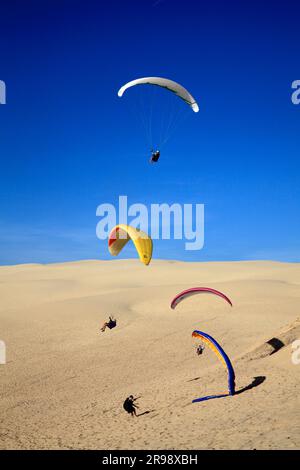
(197, 290)
(121, 234)
(222, 356)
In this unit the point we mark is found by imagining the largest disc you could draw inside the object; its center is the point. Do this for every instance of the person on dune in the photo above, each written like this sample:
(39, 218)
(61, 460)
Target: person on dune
(130, 406)
(109, 324)
(200, 349)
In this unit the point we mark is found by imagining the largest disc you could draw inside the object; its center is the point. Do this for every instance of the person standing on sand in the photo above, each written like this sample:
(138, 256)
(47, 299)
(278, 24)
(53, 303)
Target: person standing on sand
(129, 405)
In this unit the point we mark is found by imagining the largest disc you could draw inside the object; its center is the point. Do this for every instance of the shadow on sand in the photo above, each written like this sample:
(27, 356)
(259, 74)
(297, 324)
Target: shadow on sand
(255, 383)
(192, 380)
(144, 413)
(276, 344)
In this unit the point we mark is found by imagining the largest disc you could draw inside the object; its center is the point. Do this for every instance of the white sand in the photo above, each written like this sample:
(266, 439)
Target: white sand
(64, 383)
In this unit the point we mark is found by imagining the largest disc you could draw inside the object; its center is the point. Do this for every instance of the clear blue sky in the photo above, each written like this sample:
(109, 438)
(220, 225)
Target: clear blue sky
(67, 143)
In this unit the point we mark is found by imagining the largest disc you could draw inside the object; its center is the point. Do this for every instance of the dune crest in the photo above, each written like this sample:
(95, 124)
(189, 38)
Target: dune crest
(284, 338)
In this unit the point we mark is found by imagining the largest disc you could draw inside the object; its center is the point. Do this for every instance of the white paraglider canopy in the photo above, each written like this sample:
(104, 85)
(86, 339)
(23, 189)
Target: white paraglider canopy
(170, 85)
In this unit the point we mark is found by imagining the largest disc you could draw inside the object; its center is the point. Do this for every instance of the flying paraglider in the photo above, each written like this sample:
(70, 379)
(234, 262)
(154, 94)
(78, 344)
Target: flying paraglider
(197, 290)
(154, 156)
(222, 356)
(159, 125)
(170, 85)
(121, 234)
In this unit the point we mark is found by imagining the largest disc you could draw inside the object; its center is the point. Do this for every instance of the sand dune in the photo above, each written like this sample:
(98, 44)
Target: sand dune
(64, 383)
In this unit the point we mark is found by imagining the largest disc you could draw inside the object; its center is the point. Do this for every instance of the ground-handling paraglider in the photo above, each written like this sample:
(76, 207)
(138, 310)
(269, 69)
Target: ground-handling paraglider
(222, 356)
(121, 234)
(195, 291)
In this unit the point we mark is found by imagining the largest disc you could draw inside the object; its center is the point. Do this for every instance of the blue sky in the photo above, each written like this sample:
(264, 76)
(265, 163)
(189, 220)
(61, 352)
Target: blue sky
(68, 143)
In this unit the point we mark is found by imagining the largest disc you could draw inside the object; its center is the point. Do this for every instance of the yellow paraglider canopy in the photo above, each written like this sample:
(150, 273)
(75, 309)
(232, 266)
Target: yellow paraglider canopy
(121, 234)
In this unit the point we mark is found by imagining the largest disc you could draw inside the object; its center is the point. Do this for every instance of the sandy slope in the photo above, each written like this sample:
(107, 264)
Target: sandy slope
(64, 384)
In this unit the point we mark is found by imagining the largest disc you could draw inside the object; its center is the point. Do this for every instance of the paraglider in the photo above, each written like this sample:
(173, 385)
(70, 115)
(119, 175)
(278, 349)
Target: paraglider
(222, 356)
(199, 350)
(197, 290)
(121, 234)
(170, 85)
(110, 324)
(205, 339)
(154, 156)
(159, 123)
(130, 406)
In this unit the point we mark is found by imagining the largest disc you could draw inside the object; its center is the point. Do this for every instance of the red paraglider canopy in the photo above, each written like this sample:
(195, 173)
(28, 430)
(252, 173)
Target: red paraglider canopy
(197, 290)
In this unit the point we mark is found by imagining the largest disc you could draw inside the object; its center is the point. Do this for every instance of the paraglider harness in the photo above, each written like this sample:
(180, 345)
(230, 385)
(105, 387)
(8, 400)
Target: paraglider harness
(112, 323)
(200, 349)
(154, 156)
